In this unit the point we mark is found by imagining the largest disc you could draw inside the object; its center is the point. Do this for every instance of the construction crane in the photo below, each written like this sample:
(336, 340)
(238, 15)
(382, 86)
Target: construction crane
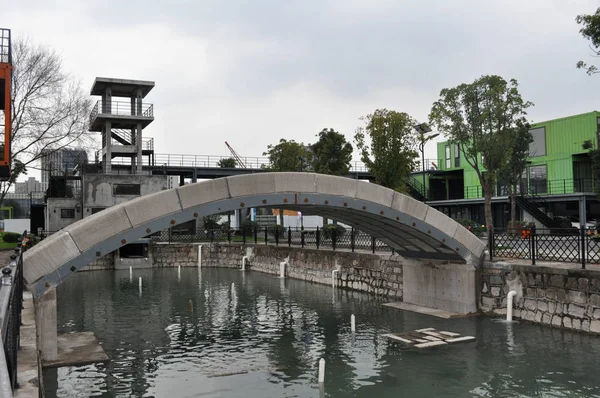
(237, 157)
(5, 101)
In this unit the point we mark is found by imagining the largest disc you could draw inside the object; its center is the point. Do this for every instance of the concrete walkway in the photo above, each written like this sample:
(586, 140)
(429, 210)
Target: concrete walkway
(27, 360)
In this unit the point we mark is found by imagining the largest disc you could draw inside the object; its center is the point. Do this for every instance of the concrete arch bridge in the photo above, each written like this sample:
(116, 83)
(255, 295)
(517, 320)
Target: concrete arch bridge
(410, 227)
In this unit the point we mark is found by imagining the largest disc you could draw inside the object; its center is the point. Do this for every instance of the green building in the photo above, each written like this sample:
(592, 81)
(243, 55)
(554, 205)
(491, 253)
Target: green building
(557, 187)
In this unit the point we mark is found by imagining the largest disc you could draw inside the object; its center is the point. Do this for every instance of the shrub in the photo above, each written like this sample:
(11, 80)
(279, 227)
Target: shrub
(248, 227)
(211, 222)
(277, 229)
(11, 237)
(475, 228)
(328, 231)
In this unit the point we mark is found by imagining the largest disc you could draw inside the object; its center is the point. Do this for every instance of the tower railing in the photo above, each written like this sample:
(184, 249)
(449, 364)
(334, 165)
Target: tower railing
(121, 108)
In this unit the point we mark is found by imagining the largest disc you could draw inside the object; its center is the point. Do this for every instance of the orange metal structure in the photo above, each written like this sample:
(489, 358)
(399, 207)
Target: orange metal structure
(5, 101)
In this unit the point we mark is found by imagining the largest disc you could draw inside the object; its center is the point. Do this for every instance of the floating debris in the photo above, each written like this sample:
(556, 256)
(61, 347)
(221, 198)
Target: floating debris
(429, 337)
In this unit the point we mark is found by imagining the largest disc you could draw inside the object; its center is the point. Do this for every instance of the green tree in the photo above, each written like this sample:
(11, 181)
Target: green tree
(481, 117)
(287, 156)
(591, 31)
(227, 163)
(519, 139)
(331, 154)
(391, 152)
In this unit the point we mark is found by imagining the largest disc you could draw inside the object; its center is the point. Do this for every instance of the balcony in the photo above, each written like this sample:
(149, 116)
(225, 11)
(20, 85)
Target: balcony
(121, 114)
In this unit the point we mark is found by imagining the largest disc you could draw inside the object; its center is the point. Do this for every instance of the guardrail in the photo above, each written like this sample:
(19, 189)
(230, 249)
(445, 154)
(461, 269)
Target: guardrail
(351, 239)
(575, 245)
(11, 304)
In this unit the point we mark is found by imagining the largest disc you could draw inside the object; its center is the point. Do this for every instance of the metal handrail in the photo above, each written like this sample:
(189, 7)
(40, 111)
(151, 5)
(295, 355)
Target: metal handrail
(5, 384)
(121, 108)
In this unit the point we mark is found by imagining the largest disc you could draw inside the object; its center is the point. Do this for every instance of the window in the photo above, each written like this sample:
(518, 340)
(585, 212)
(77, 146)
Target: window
(67, 213)
(456, 156)
(97, 209)
(537, 147)
(538, 179)
(126, 189)
(448, 160)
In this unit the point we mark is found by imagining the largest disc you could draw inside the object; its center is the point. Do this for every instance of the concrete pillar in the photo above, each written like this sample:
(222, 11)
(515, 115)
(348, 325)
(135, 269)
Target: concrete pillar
(195, 175)
(139, 147)
(582, 211)
(45, 319)
(107, 100)
(106, 161)
(138, 98)
(181, 180)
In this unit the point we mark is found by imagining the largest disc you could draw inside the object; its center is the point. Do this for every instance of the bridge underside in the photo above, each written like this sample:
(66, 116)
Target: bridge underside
(410, 227)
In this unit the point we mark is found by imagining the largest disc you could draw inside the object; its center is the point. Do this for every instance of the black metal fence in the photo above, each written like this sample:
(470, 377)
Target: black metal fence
(564, 245)
(276, 235)
(11, 304)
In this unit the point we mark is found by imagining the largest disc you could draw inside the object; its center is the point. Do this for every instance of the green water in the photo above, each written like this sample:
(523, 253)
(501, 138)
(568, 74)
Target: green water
(263, 337)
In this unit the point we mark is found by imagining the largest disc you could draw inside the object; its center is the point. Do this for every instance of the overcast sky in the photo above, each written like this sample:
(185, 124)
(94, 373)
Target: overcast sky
(252, 72)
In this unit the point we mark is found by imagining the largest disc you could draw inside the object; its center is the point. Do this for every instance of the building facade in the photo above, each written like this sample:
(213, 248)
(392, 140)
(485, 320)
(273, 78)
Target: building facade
(557, 186)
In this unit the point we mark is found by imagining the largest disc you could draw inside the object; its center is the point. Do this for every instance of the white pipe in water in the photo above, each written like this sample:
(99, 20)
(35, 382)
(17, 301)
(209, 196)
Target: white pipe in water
(335, 271)
(179, 271)
(282, 269)
(130, 272)
(509, 305)
(352, 323)
(244, 259)
(140, 284)
(321, 371)
(199, 256)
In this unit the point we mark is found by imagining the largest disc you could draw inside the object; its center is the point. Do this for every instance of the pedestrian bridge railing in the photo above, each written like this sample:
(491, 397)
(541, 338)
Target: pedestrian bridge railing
(11, 304)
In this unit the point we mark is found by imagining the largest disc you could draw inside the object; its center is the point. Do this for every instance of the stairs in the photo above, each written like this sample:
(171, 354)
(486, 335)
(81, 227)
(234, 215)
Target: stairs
(121, 136)
(532, 205)
(416, 189)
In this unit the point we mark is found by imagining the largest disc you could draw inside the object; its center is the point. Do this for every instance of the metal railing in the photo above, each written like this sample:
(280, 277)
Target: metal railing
(121, 108)
(11, 304)
(318, 238)
(575, 245)
(550, 187)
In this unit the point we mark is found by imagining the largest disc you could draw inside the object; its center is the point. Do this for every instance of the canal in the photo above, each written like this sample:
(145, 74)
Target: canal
(263, 337)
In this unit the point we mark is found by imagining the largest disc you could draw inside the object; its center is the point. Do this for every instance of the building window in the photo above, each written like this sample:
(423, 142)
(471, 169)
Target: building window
(126, 189)
(456, 156)
(97, 209)
(537, 147)
(67, 213)
(448, 160)
(538, 179)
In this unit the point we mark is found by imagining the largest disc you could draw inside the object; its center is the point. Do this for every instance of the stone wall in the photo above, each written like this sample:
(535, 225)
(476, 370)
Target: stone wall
(103, 263)
(380, 274)
(564, 298)
(176, 254)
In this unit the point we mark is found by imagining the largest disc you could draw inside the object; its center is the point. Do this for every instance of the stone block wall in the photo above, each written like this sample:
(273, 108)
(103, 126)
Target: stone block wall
(564, 298)
(175, 254)
(103, 263)
(380, 274)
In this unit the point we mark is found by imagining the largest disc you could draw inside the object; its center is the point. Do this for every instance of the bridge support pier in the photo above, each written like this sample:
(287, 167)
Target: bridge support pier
(47, 332)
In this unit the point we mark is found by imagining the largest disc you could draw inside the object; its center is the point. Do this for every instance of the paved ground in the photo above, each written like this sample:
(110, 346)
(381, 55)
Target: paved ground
(27, 360)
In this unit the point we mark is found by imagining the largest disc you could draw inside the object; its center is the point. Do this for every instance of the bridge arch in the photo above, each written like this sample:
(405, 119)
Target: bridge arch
(411, 227)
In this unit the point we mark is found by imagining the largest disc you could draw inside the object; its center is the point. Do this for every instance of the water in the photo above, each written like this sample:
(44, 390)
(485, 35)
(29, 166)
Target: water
(265, 339)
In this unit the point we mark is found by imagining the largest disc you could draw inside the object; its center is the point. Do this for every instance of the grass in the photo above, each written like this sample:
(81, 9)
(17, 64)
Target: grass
(5, 245)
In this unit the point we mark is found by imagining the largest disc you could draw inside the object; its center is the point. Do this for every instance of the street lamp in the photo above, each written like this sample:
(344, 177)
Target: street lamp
(423, 129)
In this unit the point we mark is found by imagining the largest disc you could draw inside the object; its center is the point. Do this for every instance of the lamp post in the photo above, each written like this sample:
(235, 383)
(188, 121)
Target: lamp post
(423, 129)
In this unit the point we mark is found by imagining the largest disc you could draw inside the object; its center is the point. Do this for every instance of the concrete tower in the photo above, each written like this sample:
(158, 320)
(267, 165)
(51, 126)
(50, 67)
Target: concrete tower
(121, 122)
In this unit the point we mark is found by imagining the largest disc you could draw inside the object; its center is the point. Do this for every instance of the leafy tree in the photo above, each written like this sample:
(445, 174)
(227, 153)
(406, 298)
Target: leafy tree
(590, 31)
(519, 139)
(227, 163)
(287, 156)
(331, 154)
(392, 149)
(50, 110)
(481, 118)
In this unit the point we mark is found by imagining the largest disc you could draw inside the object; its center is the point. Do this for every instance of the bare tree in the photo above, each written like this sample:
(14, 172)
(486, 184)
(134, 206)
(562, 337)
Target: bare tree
(50, 110)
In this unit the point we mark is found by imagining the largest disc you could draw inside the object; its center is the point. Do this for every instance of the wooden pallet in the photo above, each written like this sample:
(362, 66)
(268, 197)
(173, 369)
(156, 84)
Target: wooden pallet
(429, 337)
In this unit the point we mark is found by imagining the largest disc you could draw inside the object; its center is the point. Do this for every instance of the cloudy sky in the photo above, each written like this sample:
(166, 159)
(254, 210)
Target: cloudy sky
(252, 72)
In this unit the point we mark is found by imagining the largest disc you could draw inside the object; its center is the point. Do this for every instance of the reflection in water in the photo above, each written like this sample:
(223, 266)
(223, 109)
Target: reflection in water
(255, 335)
